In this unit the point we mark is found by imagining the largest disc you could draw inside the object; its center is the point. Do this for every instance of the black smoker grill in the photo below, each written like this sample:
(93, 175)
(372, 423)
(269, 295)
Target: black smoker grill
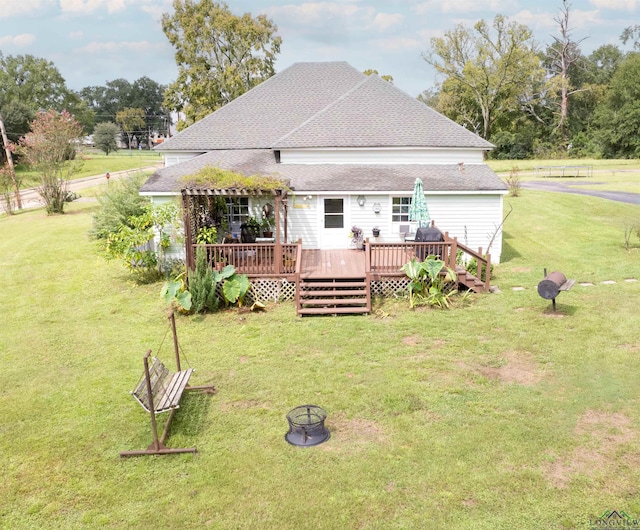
(428, 234)
(306, 426)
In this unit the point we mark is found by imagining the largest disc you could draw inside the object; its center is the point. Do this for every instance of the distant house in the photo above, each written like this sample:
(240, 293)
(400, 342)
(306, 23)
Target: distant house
(350, 147)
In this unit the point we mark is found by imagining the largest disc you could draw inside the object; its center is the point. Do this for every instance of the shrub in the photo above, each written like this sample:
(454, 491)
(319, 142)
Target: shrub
(202, 285)
(513, 182)
(118, 204)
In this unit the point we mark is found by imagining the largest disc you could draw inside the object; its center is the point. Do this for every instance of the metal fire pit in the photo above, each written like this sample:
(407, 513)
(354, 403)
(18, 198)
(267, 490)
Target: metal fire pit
(306, 426)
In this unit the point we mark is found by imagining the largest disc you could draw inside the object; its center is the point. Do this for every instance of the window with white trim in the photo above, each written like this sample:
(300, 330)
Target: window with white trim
(400, 209)
(237, 210)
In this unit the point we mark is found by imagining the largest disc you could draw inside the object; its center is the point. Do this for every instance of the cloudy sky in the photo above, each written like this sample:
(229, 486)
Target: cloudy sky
(95, 41)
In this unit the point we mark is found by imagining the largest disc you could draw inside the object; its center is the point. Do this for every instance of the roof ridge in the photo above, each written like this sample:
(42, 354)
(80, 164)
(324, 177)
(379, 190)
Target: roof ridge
(322, 111)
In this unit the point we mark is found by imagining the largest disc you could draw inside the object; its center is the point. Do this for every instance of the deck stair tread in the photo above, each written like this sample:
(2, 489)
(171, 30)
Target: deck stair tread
(332, 310)
(332, 292)
(333, 301)
(332, 296)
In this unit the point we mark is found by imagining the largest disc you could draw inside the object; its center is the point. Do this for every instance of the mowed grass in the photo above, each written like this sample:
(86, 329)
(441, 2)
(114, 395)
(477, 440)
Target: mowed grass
(498, 414)
(606, 175)
(95, 162)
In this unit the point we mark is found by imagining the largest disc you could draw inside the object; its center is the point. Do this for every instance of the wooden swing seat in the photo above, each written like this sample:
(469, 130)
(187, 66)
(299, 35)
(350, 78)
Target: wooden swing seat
(161, 391)
(166, 388)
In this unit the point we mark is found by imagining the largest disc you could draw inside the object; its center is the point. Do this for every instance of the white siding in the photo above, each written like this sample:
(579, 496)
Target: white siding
(473, 219)
(303, 220)
(176, 250)
(173, 158)
(381, 156)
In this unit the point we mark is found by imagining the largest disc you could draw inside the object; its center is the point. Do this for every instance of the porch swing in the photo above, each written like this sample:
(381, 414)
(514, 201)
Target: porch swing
(160, 391)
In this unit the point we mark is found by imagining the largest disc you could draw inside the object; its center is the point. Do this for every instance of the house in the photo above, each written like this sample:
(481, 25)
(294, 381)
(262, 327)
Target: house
(350, 147)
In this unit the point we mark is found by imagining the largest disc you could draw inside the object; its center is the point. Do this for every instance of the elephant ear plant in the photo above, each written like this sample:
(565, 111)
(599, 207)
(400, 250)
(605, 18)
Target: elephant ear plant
(432, 282)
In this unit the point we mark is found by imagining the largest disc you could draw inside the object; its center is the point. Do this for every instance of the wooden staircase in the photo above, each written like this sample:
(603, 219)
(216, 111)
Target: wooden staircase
(333, 296)
(469, 280)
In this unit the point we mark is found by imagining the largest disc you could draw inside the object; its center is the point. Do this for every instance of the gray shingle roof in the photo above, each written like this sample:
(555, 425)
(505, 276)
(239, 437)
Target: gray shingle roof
(306, 178)
(323, 105)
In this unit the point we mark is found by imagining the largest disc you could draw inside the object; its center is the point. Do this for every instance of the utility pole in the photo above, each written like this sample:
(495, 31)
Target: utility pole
(12, 169)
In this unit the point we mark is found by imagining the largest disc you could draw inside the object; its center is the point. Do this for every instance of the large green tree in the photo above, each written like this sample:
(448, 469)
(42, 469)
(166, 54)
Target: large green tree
(219, 55)
(618, 117)
(30, 84)
(105, 136)
(486, 69)
(144, 93)
(131, 121)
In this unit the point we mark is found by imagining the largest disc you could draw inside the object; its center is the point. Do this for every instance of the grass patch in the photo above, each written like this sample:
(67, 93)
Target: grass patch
(497, 415)
(97, 163)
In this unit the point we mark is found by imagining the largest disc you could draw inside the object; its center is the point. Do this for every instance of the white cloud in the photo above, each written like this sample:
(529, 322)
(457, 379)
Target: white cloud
(117, 47)
(85, 7)
(399, 44)
(76, 35)
(316, 13)
(464, 6)
(616, 5)
(19, 41)
(12, 8)
(383, 21)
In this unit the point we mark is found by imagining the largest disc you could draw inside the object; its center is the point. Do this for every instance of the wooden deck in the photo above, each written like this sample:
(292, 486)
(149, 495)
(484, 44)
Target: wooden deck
(339, 281)
(332, 264)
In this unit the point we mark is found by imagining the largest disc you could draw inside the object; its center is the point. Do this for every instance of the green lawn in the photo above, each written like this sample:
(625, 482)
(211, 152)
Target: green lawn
(500, 414)
(95, 162)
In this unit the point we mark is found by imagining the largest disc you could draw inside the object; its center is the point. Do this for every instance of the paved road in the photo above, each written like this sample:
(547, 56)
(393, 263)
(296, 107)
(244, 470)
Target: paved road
(619, 196)
(31, 199)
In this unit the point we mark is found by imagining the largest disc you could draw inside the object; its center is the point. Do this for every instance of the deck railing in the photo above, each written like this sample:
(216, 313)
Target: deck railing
(381, 259)
(387, 259)
(255, 259)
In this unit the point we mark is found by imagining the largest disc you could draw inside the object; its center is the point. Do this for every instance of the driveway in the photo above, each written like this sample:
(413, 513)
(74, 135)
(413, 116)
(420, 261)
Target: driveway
(619, 196)
(31, 199)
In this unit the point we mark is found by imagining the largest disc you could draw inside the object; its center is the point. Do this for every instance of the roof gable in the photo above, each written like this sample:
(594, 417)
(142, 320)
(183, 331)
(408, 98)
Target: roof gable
(270, 110)
(374, 113)
(329, 104)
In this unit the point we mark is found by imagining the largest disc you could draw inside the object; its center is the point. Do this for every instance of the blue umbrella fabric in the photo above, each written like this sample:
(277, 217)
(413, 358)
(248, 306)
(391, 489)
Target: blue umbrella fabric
(418, 211)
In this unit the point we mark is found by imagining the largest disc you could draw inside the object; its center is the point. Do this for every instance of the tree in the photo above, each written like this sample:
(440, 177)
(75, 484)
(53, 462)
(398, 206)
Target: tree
(131, 121)
(220, 56)
(618, 118)
(50, 149)
(631, 33)
(485, 69)
(562, 56)
(105, 137)
(386, 77)
(29, 84)
(144, 93)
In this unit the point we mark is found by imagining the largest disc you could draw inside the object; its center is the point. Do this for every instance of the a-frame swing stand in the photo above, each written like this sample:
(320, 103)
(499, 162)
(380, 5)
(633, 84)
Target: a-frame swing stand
(161, 391)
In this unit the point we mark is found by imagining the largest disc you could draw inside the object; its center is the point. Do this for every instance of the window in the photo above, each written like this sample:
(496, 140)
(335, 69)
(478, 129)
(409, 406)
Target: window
(400, 209)
(237, 209)
(333, 213)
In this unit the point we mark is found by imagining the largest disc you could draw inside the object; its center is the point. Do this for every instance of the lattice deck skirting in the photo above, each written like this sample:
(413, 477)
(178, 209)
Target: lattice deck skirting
(387, 287)
(277, 290)
(273, 290)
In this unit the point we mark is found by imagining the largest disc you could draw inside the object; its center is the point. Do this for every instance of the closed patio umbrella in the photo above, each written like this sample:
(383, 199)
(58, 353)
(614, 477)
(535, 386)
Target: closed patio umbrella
(419, 211)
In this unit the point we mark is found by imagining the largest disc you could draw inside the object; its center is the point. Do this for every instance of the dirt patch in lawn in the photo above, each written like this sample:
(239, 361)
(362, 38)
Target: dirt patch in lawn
(519, 368)
(353, 432)
(412, 340)
(605, 435)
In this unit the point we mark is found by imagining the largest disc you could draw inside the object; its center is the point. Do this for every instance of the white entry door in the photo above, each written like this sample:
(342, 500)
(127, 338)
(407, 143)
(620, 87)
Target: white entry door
(334, 222)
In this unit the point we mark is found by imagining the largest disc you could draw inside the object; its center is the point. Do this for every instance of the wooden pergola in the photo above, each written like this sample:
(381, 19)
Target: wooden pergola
(191, 223)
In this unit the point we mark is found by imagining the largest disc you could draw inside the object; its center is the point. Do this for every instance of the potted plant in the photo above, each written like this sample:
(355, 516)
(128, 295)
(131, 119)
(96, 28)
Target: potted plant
(267, 226)
(376, 231)
(207, 235)
(357, 237)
